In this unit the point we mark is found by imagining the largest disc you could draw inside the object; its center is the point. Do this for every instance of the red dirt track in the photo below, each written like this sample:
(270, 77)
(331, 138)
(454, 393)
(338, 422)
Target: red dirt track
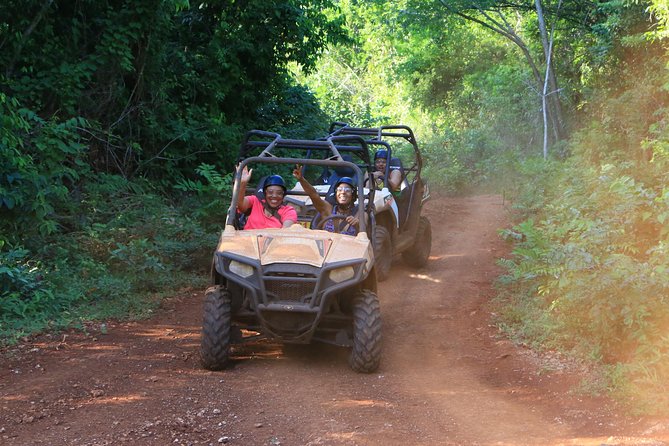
(447, 377)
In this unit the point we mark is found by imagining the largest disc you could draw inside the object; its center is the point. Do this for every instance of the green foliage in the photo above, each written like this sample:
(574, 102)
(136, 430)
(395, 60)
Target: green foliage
(18, 278)
(443, 167)
(344, 92)
(294, 113)
(41, 162)
(130, 249)
(591, 269)
(28, 299)
(104, 107)
(660, 9)
(165, 85)
(211, 198)
(216, 182)
(360, 82)
(474, 107)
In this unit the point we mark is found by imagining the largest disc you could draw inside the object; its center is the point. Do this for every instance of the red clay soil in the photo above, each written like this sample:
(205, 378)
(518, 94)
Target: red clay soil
(447, 376)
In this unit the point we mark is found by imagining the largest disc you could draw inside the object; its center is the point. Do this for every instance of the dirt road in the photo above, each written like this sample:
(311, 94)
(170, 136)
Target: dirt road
(446, 378)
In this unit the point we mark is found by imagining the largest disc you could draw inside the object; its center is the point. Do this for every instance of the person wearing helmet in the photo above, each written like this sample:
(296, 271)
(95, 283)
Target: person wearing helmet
(394, 176)
(267, 213)
(345, 196)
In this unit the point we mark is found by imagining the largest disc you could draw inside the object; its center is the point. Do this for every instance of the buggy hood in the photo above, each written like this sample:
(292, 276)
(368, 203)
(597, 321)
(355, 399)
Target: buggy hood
(295, 244)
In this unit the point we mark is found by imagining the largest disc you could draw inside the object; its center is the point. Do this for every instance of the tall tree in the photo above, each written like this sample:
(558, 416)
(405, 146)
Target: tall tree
(505, 19)
(549, 80)
(164, 84)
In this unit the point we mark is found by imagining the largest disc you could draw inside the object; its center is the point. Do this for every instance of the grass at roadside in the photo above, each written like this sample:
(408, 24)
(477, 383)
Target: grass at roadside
(117, 264)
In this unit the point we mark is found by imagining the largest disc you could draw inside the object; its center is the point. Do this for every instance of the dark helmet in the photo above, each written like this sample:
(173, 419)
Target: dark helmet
(382, 153)
(350, 182)
(274, 180)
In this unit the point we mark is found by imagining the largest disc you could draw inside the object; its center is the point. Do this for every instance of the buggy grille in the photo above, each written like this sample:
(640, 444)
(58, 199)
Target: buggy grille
(283, 287)
(292, 291)
(290, 282)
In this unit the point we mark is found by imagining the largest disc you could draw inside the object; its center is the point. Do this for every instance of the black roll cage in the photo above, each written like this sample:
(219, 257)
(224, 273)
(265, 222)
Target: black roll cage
(382, 133)
(267, 143)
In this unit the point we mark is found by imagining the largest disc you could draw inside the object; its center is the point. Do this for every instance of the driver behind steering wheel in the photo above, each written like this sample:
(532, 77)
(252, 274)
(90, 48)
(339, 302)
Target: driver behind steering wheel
(345, 195)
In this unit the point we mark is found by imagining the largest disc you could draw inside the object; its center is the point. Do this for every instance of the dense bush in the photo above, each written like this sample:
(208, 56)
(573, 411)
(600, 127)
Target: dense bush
(105, 107)
(165, 85)
(40, 164)
(129, 246)
(590, 270)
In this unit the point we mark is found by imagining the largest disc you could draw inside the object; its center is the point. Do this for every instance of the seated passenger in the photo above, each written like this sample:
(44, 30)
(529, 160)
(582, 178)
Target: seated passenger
(267, 213)
(345, 194)
(395, 176)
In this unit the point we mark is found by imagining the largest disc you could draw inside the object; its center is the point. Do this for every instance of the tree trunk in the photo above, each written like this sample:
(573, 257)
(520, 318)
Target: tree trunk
(550, 91)
(546, 85)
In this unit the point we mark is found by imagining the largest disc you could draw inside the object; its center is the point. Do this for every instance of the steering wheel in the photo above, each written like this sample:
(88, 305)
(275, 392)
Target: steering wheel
(321, 224)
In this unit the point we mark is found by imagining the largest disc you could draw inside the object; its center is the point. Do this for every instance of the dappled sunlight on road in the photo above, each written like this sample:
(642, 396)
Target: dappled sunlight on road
(115, 400)
(258, 350)
(16, 397)
(101, 348)
(612, 441)
(340, 436)
(424, 277)
(477, 391)
(349, 403)
(161, 332)
(444, 256)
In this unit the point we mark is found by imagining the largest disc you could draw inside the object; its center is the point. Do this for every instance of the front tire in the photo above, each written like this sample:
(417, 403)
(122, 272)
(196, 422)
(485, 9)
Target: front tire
(383, 253)
(216, 328)
(419, 252)
(366, 352)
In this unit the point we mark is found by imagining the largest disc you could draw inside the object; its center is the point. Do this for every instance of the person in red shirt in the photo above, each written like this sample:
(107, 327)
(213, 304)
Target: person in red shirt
(267, 213)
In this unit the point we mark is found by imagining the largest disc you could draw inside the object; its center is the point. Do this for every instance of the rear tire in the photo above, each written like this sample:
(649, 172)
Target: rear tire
(366, 352)
(419, 252)
(383, 253)
(216, 327)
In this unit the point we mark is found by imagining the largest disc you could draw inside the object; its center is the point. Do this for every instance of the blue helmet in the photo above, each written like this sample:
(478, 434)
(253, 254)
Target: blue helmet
(274, 180)
(350, 182)
(382, 153)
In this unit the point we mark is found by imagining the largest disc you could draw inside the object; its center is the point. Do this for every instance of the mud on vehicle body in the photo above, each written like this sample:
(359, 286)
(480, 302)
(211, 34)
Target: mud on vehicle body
(294, 284)
(400, 227)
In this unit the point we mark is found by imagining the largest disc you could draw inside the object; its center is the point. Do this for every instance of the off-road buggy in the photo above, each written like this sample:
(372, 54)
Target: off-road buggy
(295, 284)
(400, 227)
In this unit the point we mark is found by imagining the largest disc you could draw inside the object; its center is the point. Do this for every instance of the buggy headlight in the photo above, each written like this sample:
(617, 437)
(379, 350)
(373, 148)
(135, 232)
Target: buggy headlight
(338, 275)
(241, 269)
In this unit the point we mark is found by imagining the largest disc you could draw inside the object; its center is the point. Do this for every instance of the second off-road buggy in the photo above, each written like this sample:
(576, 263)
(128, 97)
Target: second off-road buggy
(295, 284)
(400, 225)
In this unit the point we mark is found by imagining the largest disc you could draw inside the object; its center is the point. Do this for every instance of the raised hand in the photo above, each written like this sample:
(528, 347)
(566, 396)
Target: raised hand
(246, 175)
(297, 172)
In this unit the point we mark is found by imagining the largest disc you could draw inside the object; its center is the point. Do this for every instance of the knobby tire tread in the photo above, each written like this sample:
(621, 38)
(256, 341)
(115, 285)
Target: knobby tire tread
(216, 328)
(417, 255)
(366, 352)
(383, 253)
